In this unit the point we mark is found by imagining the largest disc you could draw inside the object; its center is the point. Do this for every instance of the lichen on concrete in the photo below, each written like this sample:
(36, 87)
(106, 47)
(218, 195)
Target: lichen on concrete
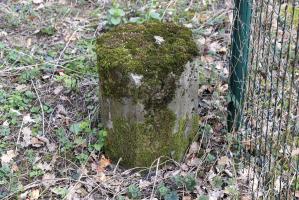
(139, 68)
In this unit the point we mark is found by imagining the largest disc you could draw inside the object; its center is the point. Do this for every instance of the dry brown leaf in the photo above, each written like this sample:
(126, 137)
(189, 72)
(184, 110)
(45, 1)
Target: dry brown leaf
(207, 59)
(101, 177)
(44, 166)
(224, 160)
(194, 162)
(6, 158)
(48, 180)
(104, 162)
(37, 1)
(51, 146)
(295, 152)
(246, 197)
(27, 119)
(5, 124)
(36, 142)
(29, 41)
(194, 148)
(34, 194)
(184, 167)
(15, 167)
(26, 136)
(186, 198)
(21, 87)
(58, 89)
(214, 47)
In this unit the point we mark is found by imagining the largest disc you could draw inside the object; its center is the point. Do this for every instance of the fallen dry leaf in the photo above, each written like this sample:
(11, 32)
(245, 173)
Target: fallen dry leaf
(58, 89)
(15, 167)
(186, 198)
(37, 1)
(44, 166)
(36, 142)
(101, 177)
(27, 119)
(224, 160)
(21, 87)
(6, 158)
(295, 152)
(5, 124)
(246, 197)
(26, 136)
(48, 180)
(194, 148)
(104, 162)
(34, 195)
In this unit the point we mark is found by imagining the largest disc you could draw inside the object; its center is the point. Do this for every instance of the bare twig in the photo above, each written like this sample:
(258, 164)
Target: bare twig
(41, 106)
(155, 181)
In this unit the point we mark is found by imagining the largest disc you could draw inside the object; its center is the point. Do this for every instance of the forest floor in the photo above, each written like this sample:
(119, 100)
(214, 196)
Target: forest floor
(50, 139)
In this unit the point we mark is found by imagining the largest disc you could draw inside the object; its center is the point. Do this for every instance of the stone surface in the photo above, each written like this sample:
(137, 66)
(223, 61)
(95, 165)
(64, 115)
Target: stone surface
(148, 91)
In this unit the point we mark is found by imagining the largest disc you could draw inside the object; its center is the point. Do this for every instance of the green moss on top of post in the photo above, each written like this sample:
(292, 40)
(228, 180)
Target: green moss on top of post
(156, 51)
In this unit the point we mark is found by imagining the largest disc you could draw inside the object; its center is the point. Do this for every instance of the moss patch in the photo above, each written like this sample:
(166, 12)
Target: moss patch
(139, 144)
(134, 49)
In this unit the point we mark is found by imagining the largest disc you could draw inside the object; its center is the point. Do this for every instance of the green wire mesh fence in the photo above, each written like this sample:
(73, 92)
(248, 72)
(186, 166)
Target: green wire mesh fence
(264, 112)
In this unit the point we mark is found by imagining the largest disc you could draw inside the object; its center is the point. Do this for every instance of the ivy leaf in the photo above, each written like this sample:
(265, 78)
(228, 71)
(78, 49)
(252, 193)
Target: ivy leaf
(163, 190)
(172, 196)
(155, 15)
(115, 20)
(133, 192)
(119, 13)
(190, 183)
(75, 128)
(137, 20)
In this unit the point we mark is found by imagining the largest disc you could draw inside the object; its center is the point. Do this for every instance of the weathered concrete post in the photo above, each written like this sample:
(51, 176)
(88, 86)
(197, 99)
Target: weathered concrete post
(148, 91)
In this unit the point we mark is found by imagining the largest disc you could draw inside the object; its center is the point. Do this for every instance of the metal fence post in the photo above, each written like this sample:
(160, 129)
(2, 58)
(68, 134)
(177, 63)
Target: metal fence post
(239, 62)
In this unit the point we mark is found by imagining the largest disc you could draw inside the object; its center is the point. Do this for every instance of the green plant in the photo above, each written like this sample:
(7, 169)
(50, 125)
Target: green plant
(35, 172)
(47, 108)
(47, 31)
(151, 14)
(171, 196)
(102, 134)
(163, 190)
(3, 96)
(188, 181)
(203, 197)
(217, 182)
(4, 173)
(4, 131)
(63, 140)
(16, 101)
(69, 82)
(27, 75)
(134, 191)
(81, 127)
(115, 15)
(61, 191)
(82, 158)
